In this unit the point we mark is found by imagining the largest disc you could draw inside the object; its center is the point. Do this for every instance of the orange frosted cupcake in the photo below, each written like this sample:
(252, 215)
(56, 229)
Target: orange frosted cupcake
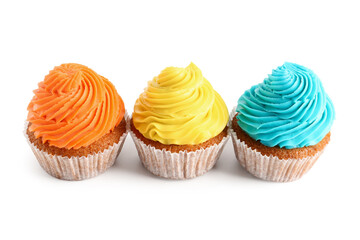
(76, 125)
(179, 124)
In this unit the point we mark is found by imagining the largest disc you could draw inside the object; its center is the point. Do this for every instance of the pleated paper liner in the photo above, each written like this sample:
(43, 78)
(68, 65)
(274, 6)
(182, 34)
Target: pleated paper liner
(269, 168)
(77, 168)
(181, 165)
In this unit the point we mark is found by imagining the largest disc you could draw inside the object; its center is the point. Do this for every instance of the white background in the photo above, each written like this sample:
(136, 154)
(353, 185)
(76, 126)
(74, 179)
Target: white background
(235, 44)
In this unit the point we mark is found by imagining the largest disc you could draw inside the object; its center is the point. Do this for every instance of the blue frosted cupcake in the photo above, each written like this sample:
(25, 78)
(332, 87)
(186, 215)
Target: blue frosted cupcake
(282, 125)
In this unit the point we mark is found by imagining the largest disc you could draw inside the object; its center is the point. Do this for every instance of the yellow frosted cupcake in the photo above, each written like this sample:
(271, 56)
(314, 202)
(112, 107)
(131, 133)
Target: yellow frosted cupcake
(179, 124)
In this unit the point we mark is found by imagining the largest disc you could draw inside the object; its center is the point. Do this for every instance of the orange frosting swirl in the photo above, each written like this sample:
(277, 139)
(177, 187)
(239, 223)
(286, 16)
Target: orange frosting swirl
(74, 106)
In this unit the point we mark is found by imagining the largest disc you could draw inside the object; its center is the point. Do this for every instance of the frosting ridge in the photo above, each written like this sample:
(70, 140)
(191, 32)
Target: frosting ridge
(179, 106)
(73, 107)
(288, 109)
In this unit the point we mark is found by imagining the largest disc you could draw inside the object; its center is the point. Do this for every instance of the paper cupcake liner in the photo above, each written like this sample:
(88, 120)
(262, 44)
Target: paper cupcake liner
(181, 165)
(269, 168)
(77, 168)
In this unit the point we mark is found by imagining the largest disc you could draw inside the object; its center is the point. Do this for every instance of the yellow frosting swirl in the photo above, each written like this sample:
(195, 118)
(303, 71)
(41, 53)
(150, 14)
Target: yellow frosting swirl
(180, 107)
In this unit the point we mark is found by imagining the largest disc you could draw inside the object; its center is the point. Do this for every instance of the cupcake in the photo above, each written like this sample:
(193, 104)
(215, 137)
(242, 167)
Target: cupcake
(179, 124)
(282, 125)
(75, 124)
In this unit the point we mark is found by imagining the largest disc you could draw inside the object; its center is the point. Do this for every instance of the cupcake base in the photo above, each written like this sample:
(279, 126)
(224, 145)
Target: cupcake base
(273, 163)
(84, 164)
(175, 162)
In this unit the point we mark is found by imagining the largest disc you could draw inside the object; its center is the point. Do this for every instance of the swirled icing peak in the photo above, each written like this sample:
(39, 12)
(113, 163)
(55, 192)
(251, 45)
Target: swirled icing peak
(289, 109)
(74, 106)
(179, 106)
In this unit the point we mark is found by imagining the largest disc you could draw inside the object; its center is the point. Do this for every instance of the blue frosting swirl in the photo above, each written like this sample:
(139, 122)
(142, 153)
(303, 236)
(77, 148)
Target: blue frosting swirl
(289, 109)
